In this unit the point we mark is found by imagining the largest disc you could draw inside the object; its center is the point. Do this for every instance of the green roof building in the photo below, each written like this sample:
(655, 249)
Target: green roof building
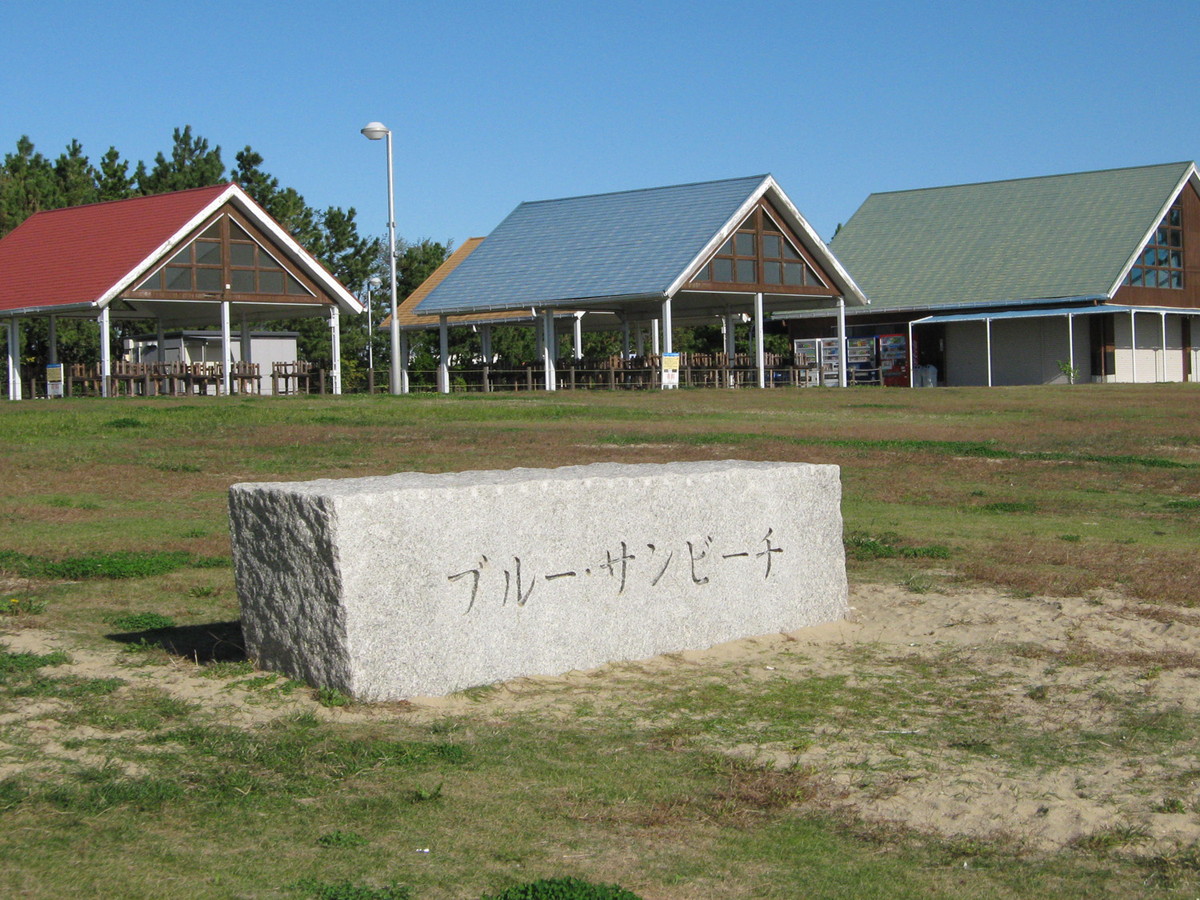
(1091, 276)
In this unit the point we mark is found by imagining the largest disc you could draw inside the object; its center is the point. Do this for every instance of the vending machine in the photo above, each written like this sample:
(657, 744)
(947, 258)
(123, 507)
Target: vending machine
(893, 359)
(807, 353)
(831, 354)
(860, 361)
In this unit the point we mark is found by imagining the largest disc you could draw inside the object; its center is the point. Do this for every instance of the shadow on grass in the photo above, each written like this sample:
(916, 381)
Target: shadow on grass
(208, 643)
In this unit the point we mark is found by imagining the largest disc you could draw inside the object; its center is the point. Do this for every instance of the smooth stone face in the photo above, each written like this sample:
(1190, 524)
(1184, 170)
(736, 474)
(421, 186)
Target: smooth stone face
(413, 584)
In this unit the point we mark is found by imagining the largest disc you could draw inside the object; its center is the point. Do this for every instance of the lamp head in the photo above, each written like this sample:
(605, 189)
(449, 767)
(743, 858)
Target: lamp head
(375, 131)
(375, 282)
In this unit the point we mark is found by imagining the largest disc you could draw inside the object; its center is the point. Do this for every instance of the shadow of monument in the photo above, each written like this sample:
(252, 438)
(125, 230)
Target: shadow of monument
(208, 643)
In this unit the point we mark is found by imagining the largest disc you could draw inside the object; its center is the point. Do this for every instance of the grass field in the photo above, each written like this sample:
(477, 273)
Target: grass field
(114, 556)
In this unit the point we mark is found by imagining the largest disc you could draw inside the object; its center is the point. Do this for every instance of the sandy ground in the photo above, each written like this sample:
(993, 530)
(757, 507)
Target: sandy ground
(1070, 669)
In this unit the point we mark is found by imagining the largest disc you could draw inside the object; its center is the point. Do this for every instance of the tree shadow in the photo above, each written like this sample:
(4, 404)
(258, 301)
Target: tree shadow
(208, 643)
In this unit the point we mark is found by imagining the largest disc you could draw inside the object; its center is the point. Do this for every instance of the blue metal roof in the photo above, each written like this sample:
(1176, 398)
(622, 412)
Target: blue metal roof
(624, 245)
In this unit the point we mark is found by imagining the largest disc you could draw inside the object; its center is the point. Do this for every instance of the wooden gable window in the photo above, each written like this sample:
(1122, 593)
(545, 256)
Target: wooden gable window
(761, 253)
(225, 254)
(1161, 262)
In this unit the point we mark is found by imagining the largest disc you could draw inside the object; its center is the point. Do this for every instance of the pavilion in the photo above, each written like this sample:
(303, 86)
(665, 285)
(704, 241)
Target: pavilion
(204, 257)
(684, 254)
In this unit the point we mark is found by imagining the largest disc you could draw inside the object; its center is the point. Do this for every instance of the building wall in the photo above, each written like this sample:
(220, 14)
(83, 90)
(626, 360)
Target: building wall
(1024, 351)
(1149, 362)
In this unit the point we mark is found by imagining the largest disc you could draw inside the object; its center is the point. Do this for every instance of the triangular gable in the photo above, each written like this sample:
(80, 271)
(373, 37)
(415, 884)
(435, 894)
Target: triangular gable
(763, 255)
(230, 251)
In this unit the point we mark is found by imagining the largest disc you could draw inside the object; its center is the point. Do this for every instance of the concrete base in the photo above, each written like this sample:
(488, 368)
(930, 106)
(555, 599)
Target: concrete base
(415, 584)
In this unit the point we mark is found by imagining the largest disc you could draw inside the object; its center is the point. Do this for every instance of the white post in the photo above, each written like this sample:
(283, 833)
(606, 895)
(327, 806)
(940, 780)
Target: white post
(912, 359)
(841, 327)
(760, 351)
(655, 347)
(577, 336)
(624, 337)
(987, 329)
(443, 378)
(731, 345)
(247, 341)
(335, 346)
(1163, 354)
(53, 338)
(14, 359)
(404, 362)
(1071, 348)
(226, 349)
(1132, 347)
(667, 343)
(548, 348)
(485, 343)
(105, 352)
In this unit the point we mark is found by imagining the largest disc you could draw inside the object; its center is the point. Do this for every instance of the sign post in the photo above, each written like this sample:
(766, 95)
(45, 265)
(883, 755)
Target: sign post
(54, 380)
(670, 371)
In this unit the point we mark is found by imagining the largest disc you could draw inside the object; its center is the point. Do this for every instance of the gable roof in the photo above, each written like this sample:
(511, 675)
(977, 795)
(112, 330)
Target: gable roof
(606, 248)
(85, 256)
(1025, 240)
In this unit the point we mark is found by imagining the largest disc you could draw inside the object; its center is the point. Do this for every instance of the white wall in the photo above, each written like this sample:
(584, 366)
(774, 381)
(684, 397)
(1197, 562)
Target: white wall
(1148, 363)
(1024, 351)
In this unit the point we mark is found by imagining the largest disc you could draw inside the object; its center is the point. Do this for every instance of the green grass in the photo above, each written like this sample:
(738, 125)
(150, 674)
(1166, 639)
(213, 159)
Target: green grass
(115, 514)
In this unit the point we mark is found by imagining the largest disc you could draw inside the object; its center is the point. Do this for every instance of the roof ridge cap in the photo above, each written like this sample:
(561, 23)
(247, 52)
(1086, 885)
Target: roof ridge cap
(208, 187)
(662, 187)
(943, 187)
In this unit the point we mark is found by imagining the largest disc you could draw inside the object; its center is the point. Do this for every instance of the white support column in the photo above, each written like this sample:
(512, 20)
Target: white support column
(577, 336)
(760, 351)
(667, 343)
(1071, 347)
(335, 347)
(226, 348)
(912, 358)
(841, 329)
(485, 344)
(443, 378)
(624, 336)
(548, 348)
(655, 346)
(731, 345)
(1132, 347)
(1163, 354)
(53, 339)
(987, 327)
(105, 351)
(14, 358)
(246, 340)
(403, 359)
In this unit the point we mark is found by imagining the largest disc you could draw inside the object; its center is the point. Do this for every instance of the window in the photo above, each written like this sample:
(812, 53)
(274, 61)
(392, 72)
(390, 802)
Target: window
(1161, 262)
(225, 253)
(761, 252)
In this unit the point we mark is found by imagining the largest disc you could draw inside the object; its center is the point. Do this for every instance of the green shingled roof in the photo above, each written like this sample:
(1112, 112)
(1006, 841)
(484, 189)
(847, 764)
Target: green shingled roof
(1004, 241)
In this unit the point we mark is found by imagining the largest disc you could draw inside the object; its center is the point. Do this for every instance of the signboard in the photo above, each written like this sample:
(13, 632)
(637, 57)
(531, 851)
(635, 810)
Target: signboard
(670, 370)
(54, 380)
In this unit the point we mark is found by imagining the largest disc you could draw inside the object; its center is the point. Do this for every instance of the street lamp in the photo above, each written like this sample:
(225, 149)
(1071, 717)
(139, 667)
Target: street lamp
(373, 284)
(374, 131)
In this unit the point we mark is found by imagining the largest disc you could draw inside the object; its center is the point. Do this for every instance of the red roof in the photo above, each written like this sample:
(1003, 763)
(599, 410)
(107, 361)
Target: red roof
(77, 255)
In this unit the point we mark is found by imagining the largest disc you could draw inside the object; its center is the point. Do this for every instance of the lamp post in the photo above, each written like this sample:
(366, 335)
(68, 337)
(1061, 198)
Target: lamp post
(373, 284)
(375, 131)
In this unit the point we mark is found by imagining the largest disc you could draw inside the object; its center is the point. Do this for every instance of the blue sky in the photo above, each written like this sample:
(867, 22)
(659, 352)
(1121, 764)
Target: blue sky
(495, 103)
